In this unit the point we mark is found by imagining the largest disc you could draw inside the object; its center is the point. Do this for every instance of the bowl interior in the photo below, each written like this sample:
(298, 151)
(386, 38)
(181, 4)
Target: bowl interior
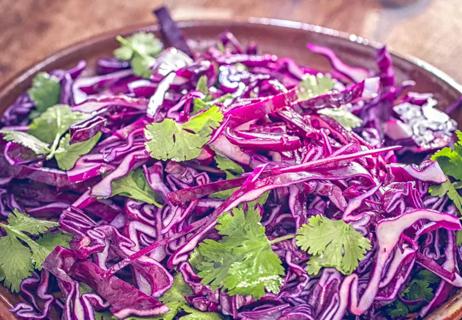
(280, 37)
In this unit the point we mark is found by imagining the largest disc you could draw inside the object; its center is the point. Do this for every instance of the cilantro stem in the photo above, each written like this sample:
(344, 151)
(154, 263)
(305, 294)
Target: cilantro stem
(53, 147)
(282, 238)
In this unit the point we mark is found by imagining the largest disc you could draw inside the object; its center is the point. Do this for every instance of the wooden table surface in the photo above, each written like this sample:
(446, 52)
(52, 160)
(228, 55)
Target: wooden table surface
(428, 29)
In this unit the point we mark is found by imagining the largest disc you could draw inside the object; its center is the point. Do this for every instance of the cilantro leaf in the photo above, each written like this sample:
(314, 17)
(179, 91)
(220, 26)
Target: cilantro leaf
(450, 161)
(51, 240)
(194, 314)
(242, 262)
(397, 309)
(169, 140)
(199, 105)
(135, 186)
(206, 103)
(174, 298)
(15, 266)
(25, 254)
(419, 288)
(44, 92)
(26, 140)
(140, 49)
(53, 123)
(459, 238)
(67, 154)
(232, 170)
(447, 188)
(106, 315)
(331, 243)
(25, 223)
(314, 85)
(202, 85)
(228, 166)
(344, 117)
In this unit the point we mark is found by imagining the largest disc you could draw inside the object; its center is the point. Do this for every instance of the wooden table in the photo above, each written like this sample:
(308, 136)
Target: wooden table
(428, 29)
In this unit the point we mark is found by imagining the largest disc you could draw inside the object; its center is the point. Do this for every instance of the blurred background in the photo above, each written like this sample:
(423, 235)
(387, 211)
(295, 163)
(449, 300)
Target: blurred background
(428, 29)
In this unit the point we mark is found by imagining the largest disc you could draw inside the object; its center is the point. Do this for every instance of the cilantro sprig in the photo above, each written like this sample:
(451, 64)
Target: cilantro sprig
(44, 92)
(175, 300)
(22, 253)
(331, 243)
(67, 154)
(140, 49)
(419, 289)
(45, 136)
(314, 85)
(178, 307)
(135, 186)
(53, 123)
(343, 116)
(27, 140)
(242, 261)
(170, 140)
(450, 161)
(231, 170)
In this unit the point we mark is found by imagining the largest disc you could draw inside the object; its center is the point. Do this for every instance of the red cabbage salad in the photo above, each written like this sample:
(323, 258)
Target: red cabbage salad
(227, 183)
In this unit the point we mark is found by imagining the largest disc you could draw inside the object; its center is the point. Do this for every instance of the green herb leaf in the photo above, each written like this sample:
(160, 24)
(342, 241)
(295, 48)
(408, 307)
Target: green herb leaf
(140, 49)
(17, 265)
(194, 314)
(202, 85)
(67, 154)
(24, 252)
(314, 85)
(332, 243)
(459, 238)
(169, 140)
(199, 105)
(419, 288)
(52, 240)
(26, 140)
(175, 300)
(397, 309)
(228, 166)
(135, 186)
(346, 119)
(447, 188)
(206, 103)
(450, 161)
(55, 121)
(44, 92)
(242, 262)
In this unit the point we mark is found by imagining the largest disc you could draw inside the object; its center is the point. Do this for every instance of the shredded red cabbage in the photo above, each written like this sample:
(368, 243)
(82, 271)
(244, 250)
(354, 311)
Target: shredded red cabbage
(128, 251)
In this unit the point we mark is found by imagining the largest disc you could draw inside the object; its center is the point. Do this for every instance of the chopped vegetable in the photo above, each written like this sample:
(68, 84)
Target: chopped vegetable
(242, 262)
(26, 140)
(24, 253)
(135, 186)
(332, 243)
(450, 161)
(344, 117)
(312, 86)
(140, 49)
(181, 141)
(219, 181)
(44, 92)
(67, 154)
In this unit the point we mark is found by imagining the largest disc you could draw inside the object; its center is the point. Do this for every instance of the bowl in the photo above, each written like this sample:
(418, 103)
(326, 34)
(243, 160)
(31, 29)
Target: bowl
(281, 37)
